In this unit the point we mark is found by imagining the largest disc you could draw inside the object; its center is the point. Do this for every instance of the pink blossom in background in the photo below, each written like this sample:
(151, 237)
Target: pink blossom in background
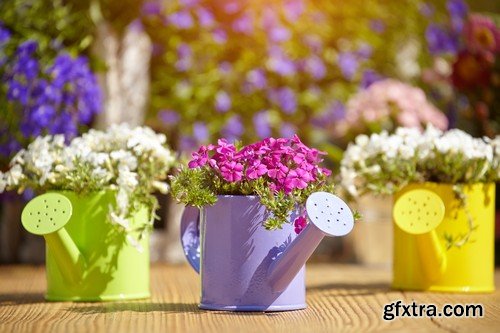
(286, 164)
(390, 103)
(482, 34)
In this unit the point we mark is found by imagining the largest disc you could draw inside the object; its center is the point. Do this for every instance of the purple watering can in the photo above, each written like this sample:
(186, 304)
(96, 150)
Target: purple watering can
(245, 267)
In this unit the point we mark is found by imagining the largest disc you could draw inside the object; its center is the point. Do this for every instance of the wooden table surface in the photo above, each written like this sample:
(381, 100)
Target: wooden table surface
(341, 298)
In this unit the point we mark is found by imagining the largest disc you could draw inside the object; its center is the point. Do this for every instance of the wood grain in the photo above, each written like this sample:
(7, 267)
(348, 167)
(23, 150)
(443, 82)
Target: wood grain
(341, 299)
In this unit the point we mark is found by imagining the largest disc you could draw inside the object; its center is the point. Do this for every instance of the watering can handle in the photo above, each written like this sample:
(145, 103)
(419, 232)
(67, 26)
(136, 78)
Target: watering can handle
(190, 236)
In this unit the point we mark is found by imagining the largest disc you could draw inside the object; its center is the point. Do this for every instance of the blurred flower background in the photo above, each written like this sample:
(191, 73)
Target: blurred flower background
(198, 70)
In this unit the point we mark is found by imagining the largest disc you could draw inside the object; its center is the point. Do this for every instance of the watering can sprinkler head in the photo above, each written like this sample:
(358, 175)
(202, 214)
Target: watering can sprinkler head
(328, 215)
(46, 215)
(419, 212)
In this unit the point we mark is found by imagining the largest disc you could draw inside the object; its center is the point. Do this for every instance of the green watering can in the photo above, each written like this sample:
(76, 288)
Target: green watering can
(87, 258)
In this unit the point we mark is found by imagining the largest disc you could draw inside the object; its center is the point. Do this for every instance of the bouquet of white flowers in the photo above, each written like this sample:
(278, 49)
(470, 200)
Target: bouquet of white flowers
(384, 163)
(130, 162)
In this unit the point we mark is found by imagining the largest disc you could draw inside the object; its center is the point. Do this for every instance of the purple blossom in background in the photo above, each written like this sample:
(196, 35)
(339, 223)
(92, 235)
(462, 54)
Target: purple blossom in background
(377, 26)
(332, 114)
(244, 24)
(42, 115)
(4, 39)
(261, 124)
(4, 35)
(233, 128)
(365, 51)
(348, 64)
(231, 7)
(293, 9)
(10, 147)
(440, 40)
(279, 63)
(53, 99)
(369, 77)
(185, 57)
(426, 9)
(314, 42)
(458, 11)
(17, 91)
(187, 143)
(27, 48)
(287, 130)
(169, 117)
(222, 102)
(255, 80)
(219, 36)
(285, 98)
(150, 8)
(200, 131)
(276, 32)
(279, 34)
(65, 124)
(457, 8)
(189, 3)
(315, 67)
(181, 20)
(225, 67)
(205, 17)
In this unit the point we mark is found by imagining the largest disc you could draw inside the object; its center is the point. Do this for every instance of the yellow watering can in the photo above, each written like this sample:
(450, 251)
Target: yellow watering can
(423, 260)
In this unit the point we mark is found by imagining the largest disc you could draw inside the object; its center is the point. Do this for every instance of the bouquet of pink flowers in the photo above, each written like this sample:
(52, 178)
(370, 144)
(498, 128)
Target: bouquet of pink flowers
(282, 172)
(386, 105)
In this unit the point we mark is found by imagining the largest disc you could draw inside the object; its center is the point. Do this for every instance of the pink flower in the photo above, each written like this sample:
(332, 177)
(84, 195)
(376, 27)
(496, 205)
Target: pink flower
(200, 158)
(300, 224)
(284, 164)
(297, 179)
(224, 147)
(278, 172)
(231, 171)
(256, 170)
(325, 171)
(389, 103)
(482, 34)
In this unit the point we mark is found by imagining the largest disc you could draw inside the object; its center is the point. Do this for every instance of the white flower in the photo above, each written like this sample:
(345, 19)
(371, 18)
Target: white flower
(432, 155)
(127, 179)
(119, 220)
(3, 183)
(14, 175)
(162, 187)
(122, 200)
(132, 241)
(113, 160)
(124, 159)
(362, 140)
(101, 173)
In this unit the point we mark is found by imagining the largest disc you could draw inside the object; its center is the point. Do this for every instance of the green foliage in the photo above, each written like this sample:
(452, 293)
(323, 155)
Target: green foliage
(193, 187)
(52, 23)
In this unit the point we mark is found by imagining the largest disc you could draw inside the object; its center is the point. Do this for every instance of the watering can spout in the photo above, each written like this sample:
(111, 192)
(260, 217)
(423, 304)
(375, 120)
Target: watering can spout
(327, 215)
(46, 215)
(419, 212)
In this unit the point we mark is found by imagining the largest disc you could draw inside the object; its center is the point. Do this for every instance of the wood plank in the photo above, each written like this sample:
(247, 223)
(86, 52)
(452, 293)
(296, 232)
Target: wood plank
(341, 298)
